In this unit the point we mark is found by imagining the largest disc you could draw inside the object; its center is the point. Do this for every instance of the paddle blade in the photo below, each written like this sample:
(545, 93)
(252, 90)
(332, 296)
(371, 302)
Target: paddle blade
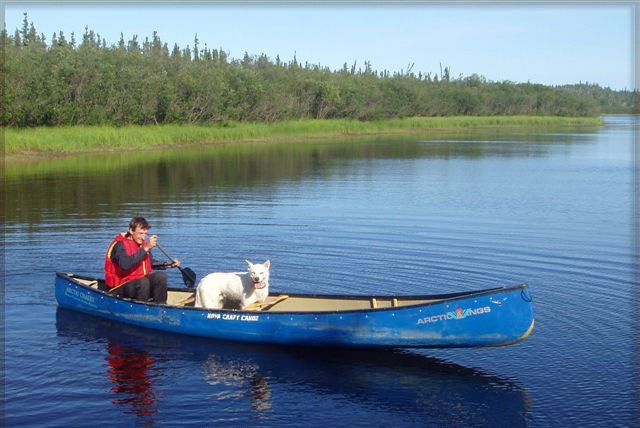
(188, 277)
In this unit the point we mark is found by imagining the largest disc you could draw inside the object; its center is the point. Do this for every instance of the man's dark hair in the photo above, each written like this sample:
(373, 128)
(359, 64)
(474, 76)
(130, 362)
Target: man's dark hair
(138, 221)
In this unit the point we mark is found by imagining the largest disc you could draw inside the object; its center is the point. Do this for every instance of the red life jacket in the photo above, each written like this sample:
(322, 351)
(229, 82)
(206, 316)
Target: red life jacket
(114, 275)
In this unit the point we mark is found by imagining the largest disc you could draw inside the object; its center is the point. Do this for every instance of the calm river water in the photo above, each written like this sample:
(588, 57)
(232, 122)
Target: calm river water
(420, 214)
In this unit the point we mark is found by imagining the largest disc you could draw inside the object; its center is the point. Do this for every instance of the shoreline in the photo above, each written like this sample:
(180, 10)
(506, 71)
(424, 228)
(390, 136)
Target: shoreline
(30, 144)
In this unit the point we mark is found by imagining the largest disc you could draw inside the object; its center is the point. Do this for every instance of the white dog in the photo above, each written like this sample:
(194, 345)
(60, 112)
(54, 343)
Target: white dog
(244, 288)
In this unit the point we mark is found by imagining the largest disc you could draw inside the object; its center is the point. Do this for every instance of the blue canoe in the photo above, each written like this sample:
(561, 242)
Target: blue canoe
(492, 317)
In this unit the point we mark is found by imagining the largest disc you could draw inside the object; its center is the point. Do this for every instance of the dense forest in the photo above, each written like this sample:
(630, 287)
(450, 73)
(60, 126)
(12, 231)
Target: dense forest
(64, 81)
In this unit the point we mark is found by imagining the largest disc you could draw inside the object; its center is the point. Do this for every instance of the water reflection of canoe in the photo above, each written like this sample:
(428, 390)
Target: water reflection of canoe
(493, 317)
(411, 386)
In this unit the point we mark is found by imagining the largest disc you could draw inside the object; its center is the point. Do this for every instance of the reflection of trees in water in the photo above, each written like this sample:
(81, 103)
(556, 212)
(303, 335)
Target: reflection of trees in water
(92, 186)
(130, 370)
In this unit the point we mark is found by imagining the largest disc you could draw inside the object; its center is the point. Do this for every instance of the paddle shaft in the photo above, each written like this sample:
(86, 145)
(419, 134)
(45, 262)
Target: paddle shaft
(164, 252)
(188, 276)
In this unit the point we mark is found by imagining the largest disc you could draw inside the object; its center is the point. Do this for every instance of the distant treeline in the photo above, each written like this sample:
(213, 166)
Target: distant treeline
(66, 81)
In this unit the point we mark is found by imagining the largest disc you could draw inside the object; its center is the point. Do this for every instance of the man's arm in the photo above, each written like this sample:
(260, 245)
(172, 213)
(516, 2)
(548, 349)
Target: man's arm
(158, 264)
(121, 258)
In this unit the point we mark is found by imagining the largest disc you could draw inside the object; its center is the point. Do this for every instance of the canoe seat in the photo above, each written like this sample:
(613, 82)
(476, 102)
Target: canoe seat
(93, 283)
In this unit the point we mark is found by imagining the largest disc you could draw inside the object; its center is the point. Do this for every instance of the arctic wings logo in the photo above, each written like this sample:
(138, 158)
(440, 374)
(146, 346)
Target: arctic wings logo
(458, 314)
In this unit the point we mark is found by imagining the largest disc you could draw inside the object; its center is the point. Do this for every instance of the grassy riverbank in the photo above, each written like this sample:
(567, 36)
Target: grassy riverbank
(83, 139)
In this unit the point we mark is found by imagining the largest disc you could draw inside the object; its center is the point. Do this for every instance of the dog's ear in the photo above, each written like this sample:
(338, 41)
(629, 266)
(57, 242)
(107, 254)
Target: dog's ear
(267, 264)
(249, 263)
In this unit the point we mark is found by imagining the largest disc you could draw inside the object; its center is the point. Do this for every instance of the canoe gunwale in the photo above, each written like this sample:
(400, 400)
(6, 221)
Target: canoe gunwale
(436, 298)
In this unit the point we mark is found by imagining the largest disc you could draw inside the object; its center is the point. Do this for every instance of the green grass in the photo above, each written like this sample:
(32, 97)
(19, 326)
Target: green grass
(79, 139)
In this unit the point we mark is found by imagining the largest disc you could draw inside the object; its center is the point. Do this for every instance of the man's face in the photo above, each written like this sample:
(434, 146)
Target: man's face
(139, 234)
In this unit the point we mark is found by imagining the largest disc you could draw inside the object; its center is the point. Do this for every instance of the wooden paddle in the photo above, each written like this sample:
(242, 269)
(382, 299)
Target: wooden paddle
(263, 305)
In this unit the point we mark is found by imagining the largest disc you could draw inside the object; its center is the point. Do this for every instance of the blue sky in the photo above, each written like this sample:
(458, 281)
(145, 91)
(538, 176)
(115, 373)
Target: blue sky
(549, 44)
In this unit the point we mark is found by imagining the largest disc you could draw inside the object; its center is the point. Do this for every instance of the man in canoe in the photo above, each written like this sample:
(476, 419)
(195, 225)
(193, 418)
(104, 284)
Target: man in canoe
(128, 265)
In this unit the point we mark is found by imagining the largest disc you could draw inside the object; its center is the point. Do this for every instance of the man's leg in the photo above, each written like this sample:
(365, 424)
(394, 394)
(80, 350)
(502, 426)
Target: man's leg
(143, 289)
(158, 286)
(138, 289)
(127, 290)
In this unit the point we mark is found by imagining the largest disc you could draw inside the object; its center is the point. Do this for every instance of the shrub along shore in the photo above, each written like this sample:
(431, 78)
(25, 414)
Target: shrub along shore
(82, 139)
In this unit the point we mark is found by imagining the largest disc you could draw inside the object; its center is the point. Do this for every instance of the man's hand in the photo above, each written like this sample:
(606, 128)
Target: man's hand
(152, 242)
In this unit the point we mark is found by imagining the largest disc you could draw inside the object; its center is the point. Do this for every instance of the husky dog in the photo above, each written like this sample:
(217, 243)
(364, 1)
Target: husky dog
(217, 289)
